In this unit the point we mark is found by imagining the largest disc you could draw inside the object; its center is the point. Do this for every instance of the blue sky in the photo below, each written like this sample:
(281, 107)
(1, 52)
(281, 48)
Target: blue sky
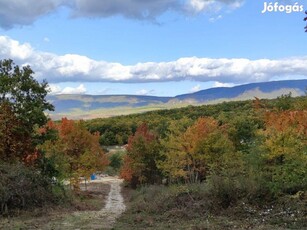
(153, 47)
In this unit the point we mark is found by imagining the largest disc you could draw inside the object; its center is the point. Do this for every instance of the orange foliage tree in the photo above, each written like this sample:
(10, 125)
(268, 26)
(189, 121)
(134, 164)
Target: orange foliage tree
(126, 171)
(140, 163)
(191, 155)
(286, 133)
(76, 151)
(284, 150)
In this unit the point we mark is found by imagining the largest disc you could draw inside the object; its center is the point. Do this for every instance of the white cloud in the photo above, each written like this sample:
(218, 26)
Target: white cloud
(55, 89)
(17, 12)
(12, 48)
(196, 88)
(219, 84)
(198, 6)
(144, 92)
(77, 68)
(78, 90)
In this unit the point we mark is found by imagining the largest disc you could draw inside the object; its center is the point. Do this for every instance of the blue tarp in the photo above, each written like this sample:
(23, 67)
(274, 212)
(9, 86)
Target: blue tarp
(93, 177)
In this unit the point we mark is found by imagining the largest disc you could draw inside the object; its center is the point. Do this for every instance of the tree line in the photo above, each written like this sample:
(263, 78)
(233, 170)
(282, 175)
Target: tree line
(258, 152)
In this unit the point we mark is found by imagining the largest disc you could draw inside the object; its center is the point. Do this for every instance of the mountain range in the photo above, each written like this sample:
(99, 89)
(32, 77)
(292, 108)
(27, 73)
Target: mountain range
(93, 106)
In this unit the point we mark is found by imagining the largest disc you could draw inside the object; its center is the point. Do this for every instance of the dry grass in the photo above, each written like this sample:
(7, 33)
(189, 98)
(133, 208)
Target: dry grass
(92, 199)
(180, 207)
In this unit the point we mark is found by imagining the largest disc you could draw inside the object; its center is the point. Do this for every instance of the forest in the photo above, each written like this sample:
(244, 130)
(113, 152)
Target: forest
(253, 151)
(233, 140)
(214, 165)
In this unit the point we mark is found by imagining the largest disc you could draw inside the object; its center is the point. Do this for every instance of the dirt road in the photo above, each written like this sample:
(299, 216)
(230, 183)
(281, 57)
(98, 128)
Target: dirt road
(103, 219)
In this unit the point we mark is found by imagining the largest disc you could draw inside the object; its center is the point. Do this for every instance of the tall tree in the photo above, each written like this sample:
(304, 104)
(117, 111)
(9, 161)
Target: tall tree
(143, 153)
(26, 95)
(174, 161)
(23, 102)
(284, 150)
(198, 151)
(76, 151)
(15, 144)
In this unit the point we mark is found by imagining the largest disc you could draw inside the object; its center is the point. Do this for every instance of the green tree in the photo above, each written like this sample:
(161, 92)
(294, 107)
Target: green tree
(23, 102)
(242, 131)
(284, 102)
(26, 96)
(284, 151)
(116, 160)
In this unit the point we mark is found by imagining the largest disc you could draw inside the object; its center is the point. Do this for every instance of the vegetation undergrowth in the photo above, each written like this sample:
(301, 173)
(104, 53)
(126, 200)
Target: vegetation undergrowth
(22, 188)
(207, 206)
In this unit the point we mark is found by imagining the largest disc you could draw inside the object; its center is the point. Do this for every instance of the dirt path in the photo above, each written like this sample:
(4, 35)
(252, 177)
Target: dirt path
(103, 219)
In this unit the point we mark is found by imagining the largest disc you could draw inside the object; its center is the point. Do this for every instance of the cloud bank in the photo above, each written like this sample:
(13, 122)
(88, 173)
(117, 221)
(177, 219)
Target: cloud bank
(77, 68)
(55, 89)
(18, 12)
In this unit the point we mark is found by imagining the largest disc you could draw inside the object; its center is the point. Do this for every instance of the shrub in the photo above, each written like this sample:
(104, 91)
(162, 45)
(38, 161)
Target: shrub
(22, 187)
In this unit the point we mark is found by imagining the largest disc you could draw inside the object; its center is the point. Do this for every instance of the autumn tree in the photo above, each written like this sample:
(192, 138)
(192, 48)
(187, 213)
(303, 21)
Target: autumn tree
(126, 171)
(15, 144)
(24, 181)
(284, 150)
(197, 152)
(23, 102)
(174, 162)
(76, 151)
(140, 163)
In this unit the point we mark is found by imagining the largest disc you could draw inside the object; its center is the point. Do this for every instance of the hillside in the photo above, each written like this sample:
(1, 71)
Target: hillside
(93, 106)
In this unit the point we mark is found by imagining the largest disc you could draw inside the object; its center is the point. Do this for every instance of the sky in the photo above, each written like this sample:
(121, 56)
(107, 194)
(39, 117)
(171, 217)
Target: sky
(154, 47)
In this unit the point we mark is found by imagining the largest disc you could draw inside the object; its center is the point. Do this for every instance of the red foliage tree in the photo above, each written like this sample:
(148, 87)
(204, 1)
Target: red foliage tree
(143, 152)
(16, 143)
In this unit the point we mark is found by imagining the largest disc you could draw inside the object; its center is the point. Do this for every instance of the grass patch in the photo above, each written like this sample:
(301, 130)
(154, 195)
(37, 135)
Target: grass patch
(92, 199)
(197, 207)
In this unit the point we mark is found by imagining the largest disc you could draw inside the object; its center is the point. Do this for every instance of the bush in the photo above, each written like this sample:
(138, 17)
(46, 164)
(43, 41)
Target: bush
(180, 201)
(22, 187)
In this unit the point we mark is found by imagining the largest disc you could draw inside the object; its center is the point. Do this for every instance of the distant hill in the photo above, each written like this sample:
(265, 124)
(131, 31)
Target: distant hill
(92, 106)
(266, 88)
